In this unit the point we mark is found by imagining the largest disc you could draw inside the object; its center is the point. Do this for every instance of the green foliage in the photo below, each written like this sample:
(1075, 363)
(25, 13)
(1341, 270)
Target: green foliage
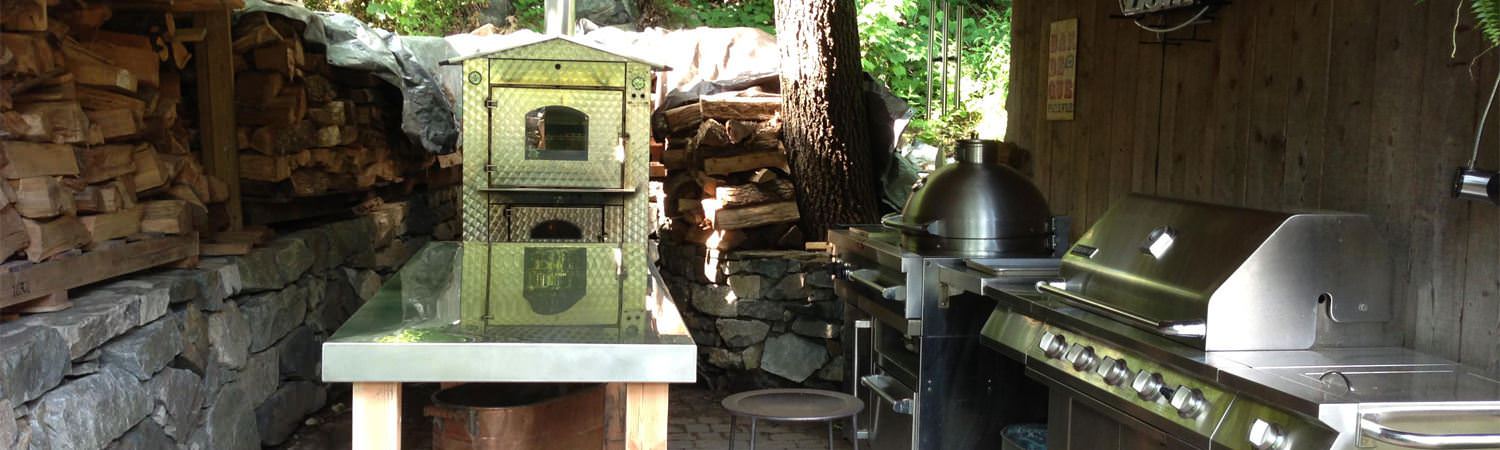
(893, 40)
(410, 17)
(720, 13)
(1488, 13)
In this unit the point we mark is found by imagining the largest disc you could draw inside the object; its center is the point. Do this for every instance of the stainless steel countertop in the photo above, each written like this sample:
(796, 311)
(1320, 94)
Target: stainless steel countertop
(411, 331)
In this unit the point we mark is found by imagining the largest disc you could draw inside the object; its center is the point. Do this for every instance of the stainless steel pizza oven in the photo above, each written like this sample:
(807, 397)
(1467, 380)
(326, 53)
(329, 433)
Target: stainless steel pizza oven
(555, 183)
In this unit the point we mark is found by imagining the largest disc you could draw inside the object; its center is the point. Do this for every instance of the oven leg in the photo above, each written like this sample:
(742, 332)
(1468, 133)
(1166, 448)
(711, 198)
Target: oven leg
(377, 416)
(732, 426)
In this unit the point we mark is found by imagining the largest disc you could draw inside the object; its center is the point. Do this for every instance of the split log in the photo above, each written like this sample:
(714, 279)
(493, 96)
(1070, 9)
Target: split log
(116, 124)
(93, 98)
(52, 88)
(115, 225)
(30, 159)
(280, 140)
(166, 216)
(257, 87)
(754, 216)
(725, 165)
(42, 197)
(47, 238)
(148, 169)
(23, 15)
(308, 182)
(133, 52)
(7, 196)
(31, 55)
(319, 89)
(13, 236)
(61, 122)
(733, 106)
(710, 134)
(106, 162)
(89, 72)
(254, 30)
(218, 190)
(330, 113)
(264, 168)
(753, 194)
(279, 57)
(685, 117)
(327, 137)
(286, 109)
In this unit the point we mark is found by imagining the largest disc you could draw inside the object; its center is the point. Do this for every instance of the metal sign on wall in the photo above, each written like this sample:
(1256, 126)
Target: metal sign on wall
(1062, 69)
(1138, 7)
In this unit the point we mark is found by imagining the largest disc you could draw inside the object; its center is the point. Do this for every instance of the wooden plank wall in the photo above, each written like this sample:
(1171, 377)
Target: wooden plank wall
(1355, 105)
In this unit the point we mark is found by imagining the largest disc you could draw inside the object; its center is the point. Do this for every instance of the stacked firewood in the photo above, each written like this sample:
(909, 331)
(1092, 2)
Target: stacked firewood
(91, 146)
(726, 184)
(306, 128)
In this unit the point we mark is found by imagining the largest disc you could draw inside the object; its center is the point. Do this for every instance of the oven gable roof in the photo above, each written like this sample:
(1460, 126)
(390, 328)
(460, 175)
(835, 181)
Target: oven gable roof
(559, 47)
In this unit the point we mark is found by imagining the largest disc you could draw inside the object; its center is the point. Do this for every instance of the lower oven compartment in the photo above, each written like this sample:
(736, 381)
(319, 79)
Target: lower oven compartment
(1076, 421)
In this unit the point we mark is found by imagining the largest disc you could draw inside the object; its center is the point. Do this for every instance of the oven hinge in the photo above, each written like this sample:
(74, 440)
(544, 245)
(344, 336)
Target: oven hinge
(489, 102)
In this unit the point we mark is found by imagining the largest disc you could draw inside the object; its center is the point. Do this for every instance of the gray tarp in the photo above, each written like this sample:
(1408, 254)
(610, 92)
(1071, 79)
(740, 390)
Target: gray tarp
(426, 112)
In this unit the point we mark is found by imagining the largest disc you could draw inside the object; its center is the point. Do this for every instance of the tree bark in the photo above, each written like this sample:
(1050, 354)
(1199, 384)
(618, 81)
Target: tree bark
(823, 112)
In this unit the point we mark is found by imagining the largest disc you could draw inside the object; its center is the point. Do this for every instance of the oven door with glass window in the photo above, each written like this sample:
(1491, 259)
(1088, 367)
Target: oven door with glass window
(547, 137)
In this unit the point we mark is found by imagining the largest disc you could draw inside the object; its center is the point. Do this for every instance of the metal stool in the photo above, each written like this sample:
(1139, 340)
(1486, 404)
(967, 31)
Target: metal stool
(791, 405)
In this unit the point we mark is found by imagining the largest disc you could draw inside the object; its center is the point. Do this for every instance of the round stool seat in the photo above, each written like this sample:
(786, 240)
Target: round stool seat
(791, 405)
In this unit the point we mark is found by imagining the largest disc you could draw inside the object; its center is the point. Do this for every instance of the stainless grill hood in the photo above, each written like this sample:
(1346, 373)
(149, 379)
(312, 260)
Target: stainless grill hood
(1226, 278)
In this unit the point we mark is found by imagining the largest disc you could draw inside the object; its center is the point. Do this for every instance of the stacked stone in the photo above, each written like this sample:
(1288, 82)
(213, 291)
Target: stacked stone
(222, 357)
(763, 318)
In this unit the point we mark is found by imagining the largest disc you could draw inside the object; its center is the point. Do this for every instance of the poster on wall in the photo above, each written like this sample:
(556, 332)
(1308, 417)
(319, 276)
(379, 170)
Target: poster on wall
(1062, 67)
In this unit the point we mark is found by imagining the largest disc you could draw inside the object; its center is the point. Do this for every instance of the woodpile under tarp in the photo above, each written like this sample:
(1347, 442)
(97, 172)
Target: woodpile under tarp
(724, 173)
(97, 145)
(308, 129)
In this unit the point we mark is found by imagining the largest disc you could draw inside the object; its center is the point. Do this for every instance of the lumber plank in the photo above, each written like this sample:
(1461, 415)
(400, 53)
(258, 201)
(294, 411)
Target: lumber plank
(91, 267)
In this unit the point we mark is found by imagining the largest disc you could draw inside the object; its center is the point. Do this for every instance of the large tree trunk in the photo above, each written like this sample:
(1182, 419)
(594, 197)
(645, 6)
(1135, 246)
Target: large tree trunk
(823, 113)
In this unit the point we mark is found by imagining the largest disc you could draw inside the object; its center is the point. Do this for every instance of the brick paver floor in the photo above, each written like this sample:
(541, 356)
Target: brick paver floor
(698, 421)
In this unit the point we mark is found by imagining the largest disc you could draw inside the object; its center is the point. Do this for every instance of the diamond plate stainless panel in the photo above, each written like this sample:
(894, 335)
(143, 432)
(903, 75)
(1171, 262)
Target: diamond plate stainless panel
(557, 72)
(475, 144)
(507, 146)
(509, 300)
(558, 49)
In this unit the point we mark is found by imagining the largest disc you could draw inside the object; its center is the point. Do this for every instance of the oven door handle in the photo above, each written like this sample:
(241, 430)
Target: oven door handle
(869, 279)
(1370, 426)
(1177, 328)
(890, 390)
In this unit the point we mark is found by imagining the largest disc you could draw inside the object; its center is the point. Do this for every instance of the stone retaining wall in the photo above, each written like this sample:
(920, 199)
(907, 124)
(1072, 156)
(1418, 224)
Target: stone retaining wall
(761, 318)
(222, 357)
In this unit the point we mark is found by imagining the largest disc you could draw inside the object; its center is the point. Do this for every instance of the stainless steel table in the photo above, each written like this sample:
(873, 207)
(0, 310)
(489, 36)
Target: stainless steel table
(791, 405)
(414, 330)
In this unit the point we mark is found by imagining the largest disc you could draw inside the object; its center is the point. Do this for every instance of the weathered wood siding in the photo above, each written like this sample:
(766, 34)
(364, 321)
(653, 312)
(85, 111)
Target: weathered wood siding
(1355, 105)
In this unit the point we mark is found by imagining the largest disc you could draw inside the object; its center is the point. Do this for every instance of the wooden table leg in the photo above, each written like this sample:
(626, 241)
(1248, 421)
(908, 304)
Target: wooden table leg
(377, 416)
(646, 416)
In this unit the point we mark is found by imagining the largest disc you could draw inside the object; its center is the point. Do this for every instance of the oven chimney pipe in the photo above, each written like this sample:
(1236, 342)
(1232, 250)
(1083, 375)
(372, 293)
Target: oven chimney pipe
(560, 17)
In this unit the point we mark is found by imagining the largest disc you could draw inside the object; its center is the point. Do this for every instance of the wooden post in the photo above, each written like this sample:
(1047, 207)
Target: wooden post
(646, 416)
(377, 416)
(216, 106)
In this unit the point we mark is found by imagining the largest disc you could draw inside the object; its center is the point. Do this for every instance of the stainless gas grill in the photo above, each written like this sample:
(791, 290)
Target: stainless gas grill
(1177, 324)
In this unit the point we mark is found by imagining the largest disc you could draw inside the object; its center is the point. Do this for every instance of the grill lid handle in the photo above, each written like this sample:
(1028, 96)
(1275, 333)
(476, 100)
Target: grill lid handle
(1178, 328)
(1370, 426)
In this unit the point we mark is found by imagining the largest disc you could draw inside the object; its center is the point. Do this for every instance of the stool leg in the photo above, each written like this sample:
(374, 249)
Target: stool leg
(830, 435)
(854, 432)
(732, 418)
(752, 433)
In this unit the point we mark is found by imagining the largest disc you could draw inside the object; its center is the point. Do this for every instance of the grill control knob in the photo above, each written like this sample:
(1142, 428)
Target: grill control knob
(1114, 371)
(1147, 385)
(1189, 402)
(1083, 358)
(1266, 435)
(1053, 345)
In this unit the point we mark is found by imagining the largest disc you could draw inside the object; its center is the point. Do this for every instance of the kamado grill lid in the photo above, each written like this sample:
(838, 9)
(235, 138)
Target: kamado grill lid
(976, 207)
